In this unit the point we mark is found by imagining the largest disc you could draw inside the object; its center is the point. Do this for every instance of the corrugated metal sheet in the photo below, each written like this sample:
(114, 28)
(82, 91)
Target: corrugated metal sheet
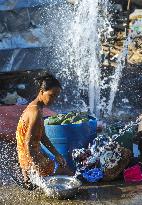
(37, 37)
(26, 59)
(23, 19)
(16, 4)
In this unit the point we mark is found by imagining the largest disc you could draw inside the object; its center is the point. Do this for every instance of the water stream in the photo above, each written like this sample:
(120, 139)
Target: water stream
(115, 78)
(81, 51)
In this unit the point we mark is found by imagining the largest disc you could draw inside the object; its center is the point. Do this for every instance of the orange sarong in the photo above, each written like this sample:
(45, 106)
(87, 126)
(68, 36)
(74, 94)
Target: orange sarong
(25, 159)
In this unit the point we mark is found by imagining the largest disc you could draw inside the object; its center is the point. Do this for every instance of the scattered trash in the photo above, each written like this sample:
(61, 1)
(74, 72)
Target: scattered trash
(21, 86)
(21, 101)
(11, 98)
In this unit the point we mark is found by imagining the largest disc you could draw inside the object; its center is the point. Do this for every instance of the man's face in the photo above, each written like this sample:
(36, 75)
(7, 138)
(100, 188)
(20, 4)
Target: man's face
(49, 96)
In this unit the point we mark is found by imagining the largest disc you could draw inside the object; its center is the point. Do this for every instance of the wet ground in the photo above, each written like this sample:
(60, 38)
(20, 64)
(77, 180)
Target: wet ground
(111, 193)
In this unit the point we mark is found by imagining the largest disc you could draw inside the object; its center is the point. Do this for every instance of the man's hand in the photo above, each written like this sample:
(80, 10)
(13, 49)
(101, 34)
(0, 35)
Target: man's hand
(61, 160)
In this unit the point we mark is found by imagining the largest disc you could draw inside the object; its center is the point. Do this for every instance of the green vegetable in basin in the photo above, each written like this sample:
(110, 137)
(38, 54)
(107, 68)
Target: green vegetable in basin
(81, 121)
(66, 121)
(69, 118)
(70, 115)
(53, 121)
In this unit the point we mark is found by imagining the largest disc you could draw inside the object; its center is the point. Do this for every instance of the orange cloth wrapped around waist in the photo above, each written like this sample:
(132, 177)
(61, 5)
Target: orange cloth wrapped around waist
(25, 159)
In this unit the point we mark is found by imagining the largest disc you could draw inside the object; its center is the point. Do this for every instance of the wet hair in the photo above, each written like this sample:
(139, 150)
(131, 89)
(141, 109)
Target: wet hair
(46, 82)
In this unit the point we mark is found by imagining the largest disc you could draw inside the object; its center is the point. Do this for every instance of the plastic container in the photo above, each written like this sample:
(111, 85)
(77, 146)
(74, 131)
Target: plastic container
(67, 137)
(93, 175)
(133, 174)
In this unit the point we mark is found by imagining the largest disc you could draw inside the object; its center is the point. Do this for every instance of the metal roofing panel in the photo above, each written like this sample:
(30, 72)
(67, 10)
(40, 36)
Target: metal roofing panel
(26, 59)
(16, 4)
(37, 37)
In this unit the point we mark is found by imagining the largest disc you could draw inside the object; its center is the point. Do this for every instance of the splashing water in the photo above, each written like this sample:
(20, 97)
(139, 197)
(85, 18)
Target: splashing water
(127, 127)
(85, 36)
(56, 185)
(80, 51)
(99, 146)
(115, 78)
(85, 46)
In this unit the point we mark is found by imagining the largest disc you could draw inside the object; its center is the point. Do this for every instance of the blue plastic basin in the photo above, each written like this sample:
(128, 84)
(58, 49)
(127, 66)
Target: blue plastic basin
(67, 137)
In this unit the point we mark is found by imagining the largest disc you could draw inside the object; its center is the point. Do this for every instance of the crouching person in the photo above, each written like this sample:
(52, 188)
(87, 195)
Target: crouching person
(30, 132)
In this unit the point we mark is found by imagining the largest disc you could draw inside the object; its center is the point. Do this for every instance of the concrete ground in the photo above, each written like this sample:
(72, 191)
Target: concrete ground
(112, 193)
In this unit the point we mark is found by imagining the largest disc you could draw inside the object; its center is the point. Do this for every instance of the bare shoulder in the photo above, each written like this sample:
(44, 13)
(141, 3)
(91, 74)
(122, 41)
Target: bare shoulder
(31, 113)
(33, 110)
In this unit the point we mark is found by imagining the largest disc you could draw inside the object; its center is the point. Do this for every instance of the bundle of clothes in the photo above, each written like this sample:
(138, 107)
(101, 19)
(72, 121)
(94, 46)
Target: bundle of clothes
(104, 160)
(69, 118)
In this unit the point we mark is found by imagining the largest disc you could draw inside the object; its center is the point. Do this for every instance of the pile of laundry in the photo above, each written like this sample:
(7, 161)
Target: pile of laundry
(101, 159)
(69, 118)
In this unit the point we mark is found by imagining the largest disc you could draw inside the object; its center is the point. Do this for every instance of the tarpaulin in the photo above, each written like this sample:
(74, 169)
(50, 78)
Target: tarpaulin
(9, 117)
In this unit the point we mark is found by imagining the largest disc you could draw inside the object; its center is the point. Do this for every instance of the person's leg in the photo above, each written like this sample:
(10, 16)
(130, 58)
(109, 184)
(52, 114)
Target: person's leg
(27, 182)
(25, 175)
